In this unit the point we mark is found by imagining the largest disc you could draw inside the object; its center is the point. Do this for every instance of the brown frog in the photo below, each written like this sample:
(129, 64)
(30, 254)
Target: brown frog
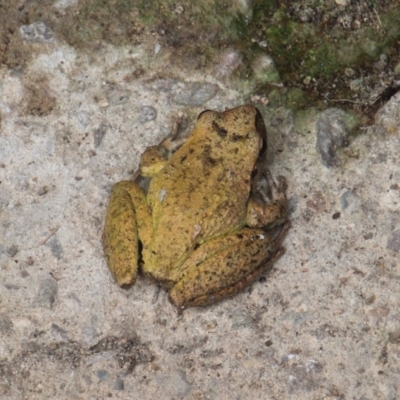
(200, 230)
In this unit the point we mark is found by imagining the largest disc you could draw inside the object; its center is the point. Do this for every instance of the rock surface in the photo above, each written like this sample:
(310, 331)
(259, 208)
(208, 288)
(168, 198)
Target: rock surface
(324, 324)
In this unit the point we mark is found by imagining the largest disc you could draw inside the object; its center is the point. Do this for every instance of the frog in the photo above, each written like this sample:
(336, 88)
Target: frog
(205, 227)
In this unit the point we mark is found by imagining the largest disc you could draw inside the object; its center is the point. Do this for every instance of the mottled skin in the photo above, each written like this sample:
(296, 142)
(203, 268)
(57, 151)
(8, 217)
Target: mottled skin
(201, 225)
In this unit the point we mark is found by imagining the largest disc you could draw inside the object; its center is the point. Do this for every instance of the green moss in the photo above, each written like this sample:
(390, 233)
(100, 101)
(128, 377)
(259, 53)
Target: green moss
(322, 62)
(310, 49)
(210, 22)
(199, 31)
(297, 99)
(113, 21)
(293, 98)
(305, 120)
(277, 98)
(298, 49)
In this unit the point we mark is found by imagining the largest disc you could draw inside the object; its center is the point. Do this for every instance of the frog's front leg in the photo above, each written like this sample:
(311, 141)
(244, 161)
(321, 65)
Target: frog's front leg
(128, 221)
(236, 261)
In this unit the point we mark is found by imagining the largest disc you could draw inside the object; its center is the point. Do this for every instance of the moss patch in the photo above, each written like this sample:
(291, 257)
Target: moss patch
(313, 41)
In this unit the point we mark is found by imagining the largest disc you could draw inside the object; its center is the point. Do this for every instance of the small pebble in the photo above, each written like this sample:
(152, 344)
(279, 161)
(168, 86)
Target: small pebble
(195, 93)
(148, 113)
(37, 32)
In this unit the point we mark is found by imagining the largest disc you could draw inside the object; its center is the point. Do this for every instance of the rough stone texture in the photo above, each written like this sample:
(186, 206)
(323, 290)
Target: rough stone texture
(324, 324)
(37, 32)
(387, 119)
(333, 129)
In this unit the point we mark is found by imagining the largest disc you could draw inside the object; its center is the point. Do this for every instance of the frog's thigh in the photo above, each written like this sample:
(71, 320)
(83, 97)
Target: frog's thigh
(239, 285)
(127, 218)
(248, 249)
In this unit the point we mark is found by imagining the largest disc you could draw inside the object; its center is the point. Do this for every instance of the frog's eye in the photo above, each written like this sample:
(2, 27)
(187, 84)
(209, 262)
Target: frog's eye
(198, 117)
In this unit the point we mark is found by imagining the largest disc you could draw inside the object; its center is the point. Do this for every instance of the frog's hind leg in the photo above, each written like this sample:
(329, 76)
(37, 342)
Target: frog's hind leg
(128, 221)
(237, 287)
(250, 252)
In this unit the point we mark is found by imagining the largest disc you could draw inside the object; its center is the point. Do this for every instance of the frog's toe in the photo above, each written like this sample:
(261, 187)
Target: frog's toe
(282, 185)
(276, 190)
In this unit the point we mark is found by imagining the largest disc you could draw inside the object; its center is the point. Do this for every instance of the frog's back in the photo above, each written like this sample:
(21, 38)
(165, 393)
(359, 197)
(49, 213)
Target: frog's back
(203, 190)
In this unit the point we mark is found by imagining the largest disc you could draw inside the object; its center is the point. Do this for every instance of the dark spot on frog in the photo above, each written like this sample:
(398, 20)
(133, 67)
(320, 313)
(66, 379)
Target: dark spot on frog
(206, 149)
(257, 252)
(207, 160)
(222, 132)
(235, 137)
(183, 158)
(191, 151)
(212, 161)
(239, 236)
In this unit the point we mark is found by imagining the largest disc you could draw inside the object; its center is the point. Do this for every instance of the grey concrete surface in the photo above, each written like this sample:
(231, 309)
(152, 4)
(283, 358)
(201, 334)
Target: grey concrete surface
(323, 324)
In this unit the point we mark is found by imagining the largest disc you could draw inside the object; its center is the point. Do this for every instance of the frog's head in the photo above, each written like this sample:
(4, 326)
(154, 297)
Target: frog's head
(240, 122)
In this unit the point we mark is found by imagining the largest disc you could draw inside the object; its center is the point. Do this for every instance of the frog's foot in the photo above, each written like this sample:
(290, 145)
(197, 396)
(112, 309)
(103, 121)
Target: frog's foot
(154, 158)
(272, 209)
(278, 191)
(250, 252)
(172, 143)
(152, 161)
